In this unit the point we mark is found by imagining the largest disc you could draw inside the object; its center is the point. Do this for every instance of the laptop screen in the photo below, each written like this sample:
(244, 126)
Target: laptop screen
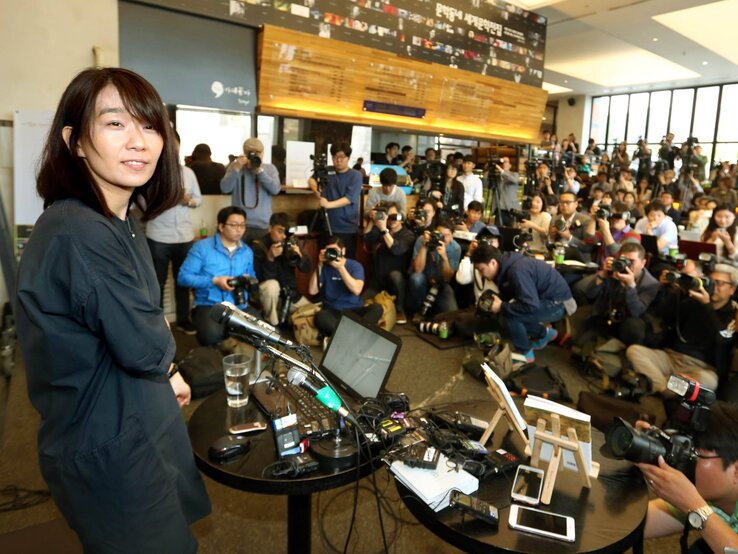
(360, 357)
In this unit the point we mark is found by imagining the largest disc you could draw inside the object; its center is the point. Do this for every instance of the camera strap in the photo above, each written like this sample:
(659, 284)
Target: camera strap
(243, 192)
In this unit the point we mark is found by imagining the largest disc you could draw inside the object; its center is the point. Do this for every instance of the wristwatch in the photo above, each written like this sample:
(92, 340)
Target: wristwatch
(697, 518)
(385, 232)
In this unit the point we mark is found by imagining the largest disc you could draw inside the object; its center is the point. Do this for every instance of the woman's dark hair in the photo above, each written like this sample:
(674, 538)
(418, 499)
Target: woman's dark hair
(721, 434)
(63, 174)
(542, 196)
(227, 212)
(713, 224)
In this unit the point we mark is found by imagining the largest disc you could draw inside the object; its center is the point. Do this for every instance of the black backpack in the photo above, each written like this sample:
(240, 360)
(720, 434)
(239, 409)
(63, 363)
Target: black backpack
(539, 381)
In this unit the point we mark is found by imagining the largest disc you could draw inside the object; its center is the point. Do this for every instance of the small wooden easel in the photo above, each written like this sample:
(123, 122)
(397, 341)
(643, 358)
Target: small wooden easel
(558, 443)
(505, 416)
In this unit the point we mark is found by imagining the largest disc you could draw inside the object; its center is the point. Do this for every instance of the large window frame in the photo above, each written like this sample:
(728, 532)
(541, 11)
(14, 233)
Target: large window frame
(655, 101)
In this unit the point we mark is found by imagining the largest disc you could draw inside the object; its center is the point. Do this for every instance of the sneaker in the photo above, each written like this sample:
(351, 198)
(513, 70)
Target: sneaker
(550, 335)
(187, 328)
(523, 357)
(401, 318)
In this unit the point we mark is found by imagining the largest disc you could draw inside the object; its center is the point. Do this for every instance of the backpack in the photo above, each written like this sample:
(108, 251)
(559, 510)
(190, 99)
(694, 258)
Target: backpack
(303, 324)
(202, 370)
(389, 311)
(538, 380)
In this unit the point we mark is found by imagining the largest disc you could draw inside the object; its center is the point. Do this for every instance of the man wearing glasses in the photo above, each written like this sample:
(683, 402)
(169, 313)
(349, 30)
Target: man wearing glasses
(252, 185)
(709, 503)
(700, 333)
(569, 228)
(340, 196)
(211, 267)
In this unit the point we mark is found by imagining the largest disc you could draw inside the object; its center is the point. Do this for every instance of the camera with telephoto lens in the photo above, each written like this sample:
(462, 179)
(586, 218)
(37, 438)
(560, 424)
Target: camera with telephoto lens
(243, 285)
(287, 295)
(707, 261)
(429, 299)
(621, 265)
(332, 254)
(429, 327)
(675, 444)
(435, 240)
(293, 258)
(254, 160)
(688, 282)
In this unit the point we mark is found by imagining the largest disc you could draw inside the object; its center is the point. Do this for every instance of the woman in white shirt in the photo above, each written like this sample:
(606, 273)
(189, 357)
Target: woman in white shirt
(721, 231)
(538, 223)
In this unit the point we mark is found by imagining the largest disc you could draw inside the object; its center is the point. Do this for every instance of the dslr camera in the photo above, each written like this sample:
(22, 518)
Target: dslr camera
(293, 258)
(254, 160)
(435, 240)
(332, 254)
(484, 304)
(603, 212)
(687, 282)
(519, 214)
(621, 265)
(380, 212)
(676, 445)
(243, 285)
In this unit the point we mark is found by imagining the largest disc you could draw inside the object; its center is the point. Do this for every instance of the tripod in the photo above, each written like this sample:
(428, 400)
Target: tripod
(494, 186)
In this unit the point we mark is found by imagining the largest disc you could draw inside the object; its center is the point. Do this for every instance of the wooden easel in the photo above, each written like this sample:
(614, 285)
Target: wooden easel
(505, 416)
(557, 442)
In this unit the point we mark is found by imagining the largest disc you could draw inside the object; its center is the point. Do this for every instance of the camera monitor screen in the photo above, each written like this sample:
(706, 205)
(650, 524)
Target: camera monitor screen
(360, 357)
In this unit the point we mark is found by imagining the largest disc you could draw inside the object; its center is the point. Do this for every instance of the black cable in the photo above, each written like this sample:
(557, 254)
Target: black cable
(20, 498)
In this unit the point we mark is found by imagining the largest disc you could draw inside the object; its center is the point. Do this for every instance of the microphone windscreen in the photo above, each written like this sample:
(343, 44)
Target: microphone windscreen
(220, 313)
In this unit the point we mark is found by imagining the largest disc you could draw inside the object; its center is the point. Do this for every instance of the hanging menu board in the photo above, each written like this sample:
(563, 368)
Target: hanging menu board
(302, 75)
(487, 37)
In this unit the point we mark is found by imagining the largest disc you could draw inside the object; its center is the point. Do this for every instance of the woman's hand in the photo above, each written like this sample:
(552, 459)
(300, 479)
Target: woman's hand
(181, 389)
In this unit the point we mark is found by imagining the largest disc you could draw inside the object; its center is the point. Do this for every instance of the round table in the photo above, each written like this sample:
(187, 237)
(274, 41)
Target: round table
(211, 421)
(609, 517)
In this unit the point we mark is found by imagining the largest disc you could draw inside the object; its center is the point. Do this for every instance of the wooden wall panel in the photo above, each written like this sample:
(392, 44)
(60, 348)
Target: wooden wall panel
(301, 75)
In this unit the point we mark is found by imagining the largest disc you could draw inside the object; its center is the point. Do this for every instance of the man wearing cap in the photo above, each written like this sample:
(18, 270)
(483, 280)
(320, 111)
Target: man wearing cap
(252, 185)
(208, 172)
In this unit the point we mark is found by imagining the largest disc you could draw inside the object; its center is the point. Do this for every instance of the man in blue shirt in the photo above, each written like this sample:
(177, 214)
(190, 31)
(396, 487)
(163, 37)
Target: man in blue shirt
(340, 196)
(656, 223)
(252, 185)
(210, 268)
(339, 280)
(436, 257)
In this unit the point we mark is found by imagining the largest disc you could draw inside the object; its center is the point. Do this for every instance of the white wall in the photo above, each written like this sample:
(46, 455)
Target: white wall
(44, 44)
(573, 119)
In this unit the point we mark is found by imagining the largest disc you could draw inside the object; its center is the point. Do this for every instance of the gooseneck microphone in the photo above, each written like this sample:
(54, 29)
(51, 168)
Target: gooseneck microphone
(325, 395)
(227, 314)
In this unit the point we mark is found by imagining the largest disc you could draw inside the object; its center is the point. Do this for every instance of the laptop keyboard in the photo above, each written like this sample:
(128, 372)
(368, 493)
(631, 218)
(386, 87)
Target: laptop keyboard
(314, 420)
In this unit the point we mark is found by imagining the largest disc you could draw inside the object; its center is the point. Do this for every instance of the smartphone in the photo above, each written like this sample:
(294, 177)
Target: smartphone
(474, 506)
(247, 428)
(527, 485)
(538, 522)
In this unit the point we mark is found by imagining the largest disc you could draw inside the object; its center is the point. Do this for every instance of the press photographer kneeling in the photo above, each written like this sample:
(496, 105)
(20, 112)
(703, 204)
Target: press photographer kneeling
(692, 468)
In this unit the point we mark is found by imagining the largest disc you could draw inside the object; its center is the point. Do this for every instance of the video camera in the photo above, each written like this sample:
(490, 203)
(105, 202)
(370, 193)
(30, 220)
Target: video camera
(242, 285)
(675, 445)
(321, 169)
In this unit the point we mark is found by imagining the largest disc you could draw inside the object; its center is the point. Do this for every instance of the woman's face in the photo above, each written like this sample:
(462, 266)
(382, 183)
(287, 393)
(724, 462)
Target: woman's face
(120, 151)
(724, 218)
(536, 205)
(451, 171)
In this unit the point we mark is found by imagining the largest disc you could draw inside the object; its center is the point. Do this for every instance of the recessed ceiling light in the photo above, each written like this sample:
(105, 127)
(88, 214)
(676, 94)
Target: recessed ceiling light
(655, 39)
(705, 63)
(566, 82)
(544, 118)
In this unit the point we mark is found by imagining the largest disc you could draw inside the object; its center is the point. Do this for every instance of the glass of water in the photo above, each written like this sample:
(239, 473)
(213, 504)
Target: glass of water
(237, 369)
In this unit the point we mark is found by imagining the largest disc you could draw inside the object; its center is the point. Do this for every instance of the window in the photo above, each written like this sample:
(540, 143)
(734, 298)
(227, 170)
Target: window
(658, 116)
(224, 132)
(598, 130)
(637, 114)
(728, 126)
(705, 112)
(618, 115)
(681, 114)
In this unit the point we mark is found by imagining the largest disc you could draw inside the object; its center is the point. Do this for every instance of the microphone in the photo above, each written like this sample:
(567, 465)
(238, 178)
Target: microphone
(325, 395)
(226, 313)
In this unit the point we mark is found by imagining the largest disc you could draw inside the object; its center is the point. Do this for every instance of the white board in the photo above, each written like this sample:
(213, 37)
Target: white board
(299, 164)
(30, 130)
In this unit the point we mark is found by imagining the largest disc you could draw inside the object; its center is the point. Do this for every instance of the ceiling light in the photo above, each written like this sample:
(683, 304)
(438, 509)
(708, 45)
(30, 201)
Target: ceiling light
(707, 26)
(555, 89)
(566, 82)
(609, 61)
(705, 63)
(655, 39)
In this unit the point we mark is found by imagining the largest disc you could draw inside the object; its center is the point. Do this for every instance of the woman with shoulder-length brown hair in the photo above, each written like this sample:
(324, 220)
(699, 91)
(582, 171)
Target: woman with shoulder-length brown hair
(113, 446)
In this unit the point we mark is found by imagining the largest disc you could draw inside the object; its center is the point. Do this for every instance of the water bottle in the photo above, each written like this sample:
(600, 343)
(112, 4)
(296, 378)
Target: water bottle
(443, 330)
(559, 253)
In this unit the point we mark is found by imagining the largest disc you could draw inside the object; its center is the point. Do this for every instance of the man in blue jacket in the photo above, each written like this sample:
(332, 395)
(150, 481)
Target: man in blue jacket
(210, 268)
(532, 293)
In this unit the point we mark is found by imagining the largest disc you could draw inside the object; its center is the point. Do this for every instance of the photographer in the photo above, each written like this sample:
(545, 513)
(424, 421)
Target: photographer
(213, 267)
(532, 293)
(436, 257)
(569, 228)
(339, 282)
(710, 503)
(508, 190)
(388, 192)
(701, 331)
(537, 223)
(276, 257)
(341, 196)
(391, 244)
(424, 216)
(656, 223)
(667, 151)
(472, 222)
(472, 183)
(621, 292)
(252, 185)
(451, 190)
(610, 228)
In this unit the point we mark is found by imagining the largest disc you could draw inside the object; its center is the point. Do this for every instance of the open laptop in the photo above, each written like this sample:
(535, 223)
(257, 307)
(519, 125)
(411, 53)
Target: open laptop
(357, 364)
(693, 248)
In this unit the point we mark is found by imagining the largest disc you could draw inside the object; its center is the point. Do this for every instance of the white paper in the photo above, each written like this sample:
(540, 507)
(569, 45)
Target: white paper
(506, 394)
(299, 165)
